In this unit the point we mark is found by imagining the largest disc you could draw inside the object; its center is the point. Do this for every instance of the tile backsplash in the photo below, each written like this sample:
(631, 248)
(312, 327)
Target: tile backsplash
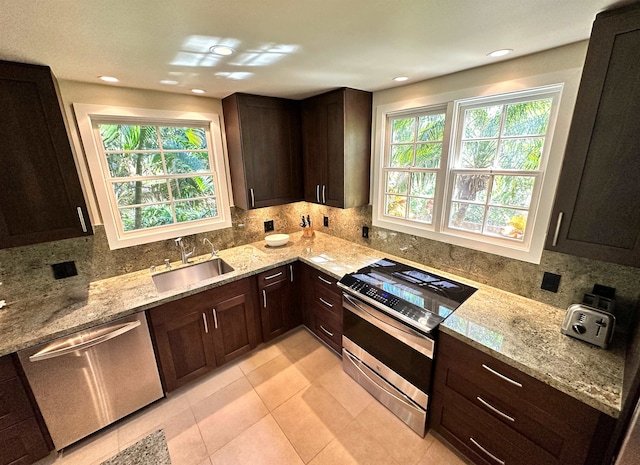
(26, 271)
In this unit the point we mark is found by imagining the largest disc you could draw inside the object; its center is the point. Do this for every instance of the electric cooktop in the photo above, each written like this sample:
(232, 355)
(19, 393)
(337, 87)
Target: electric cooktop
(417, 297)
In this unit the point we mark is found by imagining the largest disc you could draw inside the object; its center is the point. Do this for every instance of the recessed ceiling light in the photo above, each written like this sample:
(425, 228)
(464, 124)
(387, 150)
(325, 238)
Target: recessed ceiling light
(500, 53)
(223, 50)
(401, 78)
(168, 82)
(198, 91)
(108, 78)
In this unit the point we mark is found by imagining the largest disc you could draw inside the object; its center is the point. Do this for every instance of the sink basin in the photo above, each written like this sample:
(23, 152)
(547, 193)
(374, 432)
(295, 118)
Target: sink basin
(187, 275)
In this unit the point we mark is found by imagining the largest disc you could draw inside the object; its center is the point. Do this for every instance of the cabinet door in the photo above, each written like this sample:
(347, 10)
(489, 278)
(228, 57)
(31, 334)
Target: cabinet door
(234, 327)
(184, 347)
(597, 207)
(263, 135)
(41, 195)
(275, 309)
(314, 148)
(22, 444)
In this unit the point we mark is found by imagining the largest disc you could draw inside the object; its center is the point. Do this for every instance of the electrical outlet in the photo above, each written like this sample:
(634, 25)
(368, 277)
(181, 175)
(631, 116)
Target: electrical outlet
(325, 221)
(268, 226)
(550, 282)
(365, 232)
(64, 270)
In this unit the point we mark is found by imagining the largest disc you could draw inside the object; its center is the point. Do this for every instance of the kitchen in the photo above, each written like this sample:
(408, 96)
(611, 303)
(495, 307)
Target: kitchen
(26, 272)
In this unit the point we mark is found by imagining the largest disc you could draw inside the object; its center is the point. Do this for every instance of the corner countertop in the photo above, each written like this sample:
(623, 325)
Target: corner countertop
(518, 331)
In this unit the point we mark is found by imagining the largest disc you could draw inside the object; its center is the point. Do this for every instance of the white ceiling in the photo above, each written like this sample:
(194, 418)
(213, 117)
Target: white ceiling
(287, 48)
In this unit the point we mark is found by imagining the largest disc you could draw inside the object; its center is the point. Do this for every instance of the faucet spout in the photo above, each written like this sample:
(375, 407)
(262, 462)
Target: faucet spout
(183, 250)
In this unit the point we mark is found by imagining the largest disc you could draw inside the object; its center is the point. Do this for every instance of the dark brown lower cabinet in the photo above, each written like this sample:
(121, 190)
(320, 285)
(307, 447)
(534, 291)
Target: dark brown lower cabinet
(494, 413)
(275, 296)
(22, 441)
(195, 334)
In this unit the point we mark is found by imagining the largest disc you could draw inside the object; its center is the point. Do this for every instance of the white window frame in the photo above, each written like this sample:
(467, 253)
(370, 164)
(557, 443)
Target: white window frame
(88, 116)
(552, 160)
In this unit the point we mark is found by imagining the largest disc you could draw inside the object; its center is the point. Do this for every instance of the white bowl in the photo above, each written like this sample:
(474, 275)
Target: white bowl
(276, 240)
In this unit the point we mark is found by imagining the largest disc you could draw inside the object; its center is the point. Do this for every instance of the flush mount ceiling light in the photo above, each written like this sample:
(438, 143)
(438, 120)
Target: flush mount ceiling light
(222, 50)
(108, 78)
(198, 91)
(169, 82)
(401, 78)
(500, 53)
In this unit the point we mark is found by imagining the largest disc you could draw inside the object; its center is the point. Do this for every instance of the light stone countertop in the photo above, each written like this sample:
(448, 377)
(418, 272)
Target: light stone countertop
(518, 331)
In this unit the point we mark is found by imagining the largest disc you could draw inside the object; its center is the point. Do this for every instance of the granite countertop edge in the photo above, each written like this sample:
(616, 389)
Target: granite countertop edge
(518, 331)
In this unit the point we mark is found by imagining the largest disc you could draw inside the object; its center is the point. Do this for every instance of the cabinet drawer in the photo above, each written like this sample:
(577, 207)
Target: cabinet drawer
(327, 301)
(481, 437)
(514, 388)
(328, 327)
(272, 276)
(320, 279)
(22, 444)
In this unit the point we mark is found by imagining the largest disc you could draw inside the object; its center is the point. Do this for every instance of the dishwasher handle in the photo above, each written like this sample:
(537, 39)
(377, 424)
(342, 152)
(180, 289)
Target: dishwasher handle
(54, 350)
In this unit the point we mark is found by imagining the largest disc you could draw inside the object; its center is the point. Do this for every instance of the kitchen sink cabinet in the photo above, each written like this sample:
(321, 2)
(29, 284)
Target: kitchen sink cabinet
(196, 334)
(597, 207)
(263, 141)
(323, 311)
(336, 147)
(275, 294)
(493, 412)
(22, 442)
(42, 199)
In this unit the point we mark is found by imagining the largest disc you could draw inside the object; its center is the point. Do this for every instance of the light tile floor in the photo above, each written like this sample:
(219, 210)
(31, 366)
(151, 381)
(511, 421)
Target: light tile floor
(286, 403)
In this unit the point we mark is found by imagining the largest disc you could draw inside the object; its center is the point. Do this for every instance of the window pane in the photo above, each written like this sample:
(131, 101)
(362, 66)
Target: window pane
(397, 182)
(478, 154)
(471, 187)
(431, 127)
(395, 205)
(401, 156)
(196, 210)
(521, 154)
(421, 210)
(138, 192)
(187, 188)
(187, 162)
(482, 122)
(512, 191)
(145, 217)
(128, 137)
(403, 130)
(466, 216)
(506, 222)
(134, 164)
(528, 118)
(423, 184)
(428, 155)
(183, 138)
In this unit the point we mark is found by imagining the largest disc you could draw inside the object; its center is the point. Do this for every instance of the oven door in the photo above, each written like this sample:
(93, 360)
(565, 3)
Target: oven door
(390, 360)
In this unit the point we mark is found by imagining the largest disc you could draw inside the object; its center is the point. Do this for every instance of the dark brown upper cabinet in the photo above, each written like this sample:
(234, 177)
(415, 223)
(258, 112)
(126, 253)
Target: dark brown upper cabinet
(263, 141)
(336, 146)
(41, 195)
(597, 207)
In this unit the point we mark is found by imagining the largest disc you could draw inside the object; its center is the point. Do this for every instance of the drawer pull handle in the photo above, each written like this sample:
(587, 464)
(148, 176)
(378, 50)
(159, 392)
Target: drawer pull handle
(500, 375)
(325, 281)
(557, 232)
(206, 326)
(273, 276)
(328, 332)
(325, 302)
(253, 198)
(493, 409)
(475, 443)
(291, 272)
(264, 298)
(83, 225)
(215, 318)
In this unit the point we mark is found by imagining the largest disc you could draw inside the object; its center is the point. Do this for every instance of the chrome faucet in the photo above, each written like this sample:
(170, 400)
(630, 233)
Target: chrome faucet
(214, 251)
(183, 251)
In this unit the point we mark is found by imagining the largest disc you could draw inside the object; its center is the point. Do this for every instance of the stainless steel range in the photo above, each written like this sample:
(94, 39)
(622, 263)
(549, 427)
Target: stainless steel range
(391, 311)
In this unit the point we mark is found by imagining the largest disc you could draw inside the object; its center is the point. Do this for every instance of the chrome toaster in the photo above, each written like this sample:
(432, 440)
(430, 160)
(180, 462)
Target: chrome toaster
(589, 324)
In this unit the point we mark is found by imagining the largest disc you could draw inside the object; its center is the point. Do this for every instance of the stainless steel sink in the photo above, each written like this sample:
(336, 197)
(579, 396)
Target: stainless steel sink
(185, 276)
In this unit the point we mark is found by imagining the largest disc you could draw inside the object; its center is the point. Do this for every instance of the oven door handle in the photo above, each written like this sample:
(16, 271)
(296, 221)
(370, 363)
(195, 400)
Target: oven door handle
(409, 339)
(356, 363)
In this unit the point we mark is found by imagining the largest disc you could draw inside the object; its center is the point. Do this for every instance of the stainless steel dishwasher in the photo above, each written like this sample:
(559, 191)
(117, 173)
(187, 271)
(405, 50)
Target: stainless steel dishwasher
(92, 378)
